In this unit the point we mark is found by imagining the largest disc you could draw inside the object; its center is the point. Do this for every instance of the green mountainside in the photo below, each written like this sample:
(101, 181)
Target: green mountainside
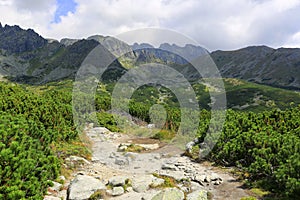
(261, 64)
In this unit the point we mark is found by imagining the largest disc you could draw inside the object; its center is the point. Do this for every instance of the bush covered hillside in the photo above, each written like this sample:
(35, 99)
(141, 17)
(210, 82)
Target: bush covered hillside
(31, 124)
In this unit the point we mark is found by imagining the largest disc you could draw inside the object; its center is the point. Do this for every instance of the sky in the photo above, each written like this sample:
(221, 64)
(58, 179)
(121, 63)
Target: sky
(214, 24)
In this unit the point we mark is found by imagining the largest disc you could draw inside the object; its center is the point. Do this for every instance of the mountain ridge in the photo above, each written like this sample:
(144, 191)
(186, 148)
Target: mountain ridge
(28, 57)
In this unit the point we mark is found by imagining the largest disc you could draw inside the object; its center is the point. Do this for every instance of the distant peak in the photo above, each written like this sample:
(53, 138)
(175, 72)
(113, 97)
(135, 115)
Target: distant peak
(136, 46)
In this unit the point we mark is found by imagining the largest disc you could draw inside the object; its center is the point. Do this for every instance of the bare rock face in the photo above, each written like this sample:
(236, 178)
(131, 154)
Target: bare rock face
(82, 187)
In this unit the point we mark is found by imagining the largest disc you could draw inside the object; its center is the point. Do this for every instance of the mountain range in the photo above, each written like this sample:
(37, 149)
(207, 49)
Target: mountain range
(27, 57)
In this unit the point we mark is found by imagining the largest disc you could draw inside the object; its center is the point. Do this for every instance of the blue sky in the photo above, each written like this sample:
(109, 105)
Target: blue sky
(63, 7)
(215, 24)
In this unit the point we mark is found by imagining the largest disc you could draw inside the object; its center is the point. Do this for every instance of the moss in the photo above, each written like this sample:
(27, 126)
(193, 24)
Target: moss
(169, 182)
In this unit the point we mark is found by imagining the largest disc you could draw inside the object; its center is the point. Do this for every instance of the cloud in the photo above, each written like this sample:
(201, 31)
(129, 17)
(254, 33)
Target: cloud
(214, 24)
(27, 13)
(33, 5)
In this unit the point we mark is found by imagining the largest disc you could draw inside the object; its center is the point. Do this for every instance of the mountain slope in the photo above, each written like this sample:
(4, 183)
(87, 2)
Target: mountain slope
(29, 58)
(261, 64)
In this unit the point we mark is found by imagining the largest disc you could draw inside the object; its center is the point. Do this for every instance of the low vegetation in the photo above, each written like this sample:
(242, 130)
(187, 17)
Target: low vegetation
(38, 133)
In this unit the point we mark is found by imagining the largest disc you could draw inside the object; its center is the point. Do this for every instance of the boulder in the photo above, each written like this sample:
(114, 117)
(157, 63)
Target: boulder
(82, 187)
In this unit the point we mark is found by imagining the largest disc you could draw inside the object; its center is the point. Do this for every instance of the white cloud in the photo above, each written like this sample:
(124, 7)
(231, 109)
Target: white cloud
(27, 13)
(293, 41)
(215, 24)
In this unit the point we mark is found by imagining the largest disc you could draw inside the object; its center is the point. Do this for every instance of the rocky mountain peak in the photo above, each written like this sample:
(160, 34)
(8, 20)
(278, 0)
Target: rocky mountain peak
(14, 39)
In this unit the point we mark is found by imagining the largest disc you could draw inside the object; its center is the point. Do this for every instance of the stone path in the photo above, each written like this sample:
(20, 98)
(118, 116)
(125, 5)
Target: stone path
(128, 175)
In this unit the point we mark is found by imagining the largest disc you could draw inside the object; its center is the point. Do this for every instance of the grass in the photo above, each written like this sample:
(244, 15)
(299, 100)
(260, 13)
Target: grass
(259, 192)
(194, 154)
(248, 198)
(135, 148)
(164, 135)
(72, 148)
(169, 182)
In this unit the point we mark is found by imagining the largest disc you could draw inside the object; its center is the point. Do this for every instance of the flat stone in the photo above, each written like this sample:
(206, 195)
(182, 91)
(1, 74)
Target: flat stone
(195, 186)
(200, 179)
(117, 181)
(157, 181)
(121, 161)
(177, 175)
(142, 183)
(149, 146)
(169, 167)
(169, 193)
(129, 189)
(117, 191)
(197, 195)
